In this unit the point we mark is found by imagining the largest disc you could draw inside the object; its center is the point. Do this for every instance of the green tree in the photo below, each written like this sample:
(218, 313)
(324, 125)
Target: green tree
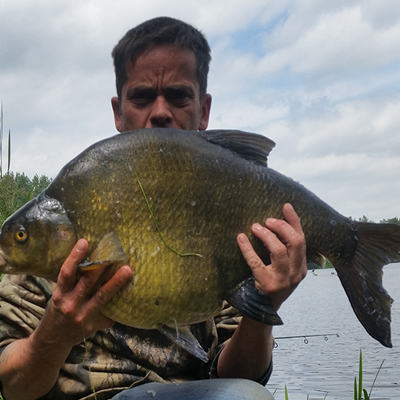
(365, 219)
(16, 190)
(361, 219)
(9, 196)
(393, 220)
(40, 183)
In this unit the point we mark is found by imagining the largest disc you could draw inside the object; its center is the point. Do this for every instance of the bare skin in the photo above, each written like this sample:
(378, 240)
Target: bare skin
(161, 91)
(249, 352)
(29, 367)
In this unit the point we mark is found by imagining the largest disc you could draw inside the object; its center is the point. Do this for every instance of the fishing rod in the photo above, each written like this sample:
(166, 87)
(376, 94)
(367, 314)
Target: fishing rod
(325, 336)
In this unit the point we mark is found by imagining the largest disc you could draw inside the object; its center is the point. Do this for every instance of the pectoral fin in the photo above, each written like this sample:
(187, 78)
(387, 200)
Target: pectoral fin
(184, 338)
(108, 251)
(253, 303)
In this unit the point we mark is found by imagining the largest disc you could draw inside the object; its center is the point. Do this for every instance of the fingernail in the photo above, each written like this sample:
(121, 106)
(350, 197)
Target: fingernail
(271, 220)
(241, 238)
(80, 246)
(125, 273)
(257, 227)
(289, 206)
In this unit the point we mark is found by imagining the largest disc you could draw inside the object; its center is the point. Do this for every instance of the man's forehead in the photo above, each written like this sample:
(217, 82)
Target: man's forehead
(170, 66)
(184, 54)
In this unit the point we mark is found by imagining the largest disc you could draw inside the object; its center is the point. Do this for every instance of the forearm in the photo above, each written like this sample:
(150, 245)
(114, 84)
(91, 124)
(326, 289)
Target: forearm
(29, 367)
(248, 354)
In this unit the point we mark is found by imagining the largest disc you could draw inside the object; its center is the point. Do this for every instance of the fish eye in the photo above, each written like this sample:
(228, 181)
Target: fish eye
(21, 236)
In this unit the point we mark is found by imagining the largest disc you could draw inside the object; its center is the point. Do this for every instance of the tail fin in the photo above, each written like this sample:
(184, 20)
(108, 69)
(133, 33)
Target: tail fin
(378, 245)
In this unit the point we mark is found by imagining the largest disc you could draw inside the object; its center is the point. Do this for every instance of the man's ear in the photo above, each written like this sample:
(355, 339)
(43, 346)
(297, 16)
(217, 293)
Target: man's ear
(116, 111)
(205, 112)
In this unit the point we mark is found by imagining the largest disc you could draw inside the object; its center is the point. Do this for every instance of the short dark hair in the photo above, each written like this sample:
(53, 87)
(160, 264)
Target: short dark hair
(157, 32)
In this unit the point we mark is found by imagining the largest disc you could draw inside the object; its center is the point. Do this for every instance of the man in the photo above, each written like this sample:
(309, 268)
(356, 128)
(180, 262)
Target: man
(69, 350)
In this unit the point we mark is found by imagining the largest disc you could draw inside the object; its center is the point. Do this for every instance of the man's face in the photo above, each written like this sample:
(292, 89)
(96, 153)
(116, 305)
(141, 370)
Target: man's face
(162, 91)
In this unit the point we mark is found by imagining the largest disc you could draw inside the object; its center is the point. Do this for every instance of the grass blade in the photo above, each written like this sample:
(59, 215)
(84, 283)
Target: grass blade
(360, 377)
(9, 151)
(376, 376)
(355, 389)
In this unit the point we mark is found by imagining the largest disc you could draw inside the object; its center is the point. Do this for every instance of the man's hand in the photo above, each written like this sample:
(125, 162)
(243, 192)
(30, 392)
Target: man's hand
(249, 352)
(72, 314)
(75, 304)
(288, 257)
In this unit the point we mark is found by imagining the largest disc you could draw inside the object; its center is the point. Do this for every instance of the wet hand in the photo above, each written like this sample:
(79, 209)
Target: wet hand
(288, 256)
(74, 309)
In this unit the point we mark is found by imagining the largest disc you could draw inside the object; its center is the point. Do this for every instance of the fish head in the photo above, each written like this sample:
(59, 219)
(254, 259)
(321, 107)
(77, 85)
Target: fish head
(36, 239)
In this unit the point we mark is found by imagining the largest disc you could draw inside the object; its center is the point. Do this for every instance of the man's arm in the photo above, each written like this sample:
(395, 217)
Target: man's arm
(29, 367)
(249, 352)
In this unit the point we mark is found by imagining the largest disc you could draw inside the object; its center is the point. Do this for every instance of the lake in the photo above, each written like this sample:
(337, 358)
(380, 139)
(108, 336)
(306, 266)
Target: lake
(329, 364)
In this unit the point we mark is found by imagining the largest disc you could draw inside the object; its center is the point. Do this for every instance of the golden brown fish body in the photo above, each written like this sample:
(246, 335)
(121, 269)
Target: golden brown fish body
(195, 209)
(163, 192)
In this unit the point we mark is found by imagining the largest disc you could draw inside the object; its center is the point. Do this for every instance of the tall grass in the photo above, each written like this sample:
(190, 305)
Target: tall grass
(359, 391)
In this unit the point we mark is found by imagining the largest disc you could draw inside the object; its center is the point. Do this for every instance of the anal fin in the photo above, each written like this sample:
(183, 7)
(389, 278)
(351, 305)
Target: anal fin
(184, 338)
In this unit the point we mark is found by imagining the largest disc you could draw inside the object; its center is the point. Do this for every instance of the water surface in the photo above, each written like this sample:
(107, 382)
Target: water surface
(320, 306)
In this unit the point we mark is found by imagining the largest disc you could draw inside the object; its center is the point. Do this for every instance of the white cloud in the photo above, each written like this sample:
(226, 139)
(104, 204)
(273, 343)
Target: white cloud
(340, 42)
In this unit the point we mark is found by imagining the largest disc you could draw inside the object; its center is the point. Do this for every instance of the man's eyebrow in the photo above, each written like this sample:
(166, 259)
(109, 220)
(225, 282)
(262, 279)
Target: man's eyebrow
(144, 89)
(140, 89)
(178, 87)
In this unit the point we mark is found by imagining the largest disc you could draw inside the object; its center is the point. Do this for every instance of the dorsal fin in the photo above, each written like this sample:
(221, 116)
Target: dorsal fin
(251, 146)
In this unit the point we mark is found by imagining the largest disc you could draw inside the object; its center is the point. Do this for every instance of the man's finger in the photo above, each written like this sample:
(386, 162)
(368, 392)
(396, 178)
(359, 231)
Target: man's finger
(67, 276)
(292, 218)
(290, 231)
(109, 289)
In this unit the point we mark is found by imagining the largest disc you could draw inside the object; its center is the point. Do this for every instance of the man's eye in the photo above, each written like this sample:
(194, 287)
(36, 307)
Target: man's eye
(142, 98)
(179, 98)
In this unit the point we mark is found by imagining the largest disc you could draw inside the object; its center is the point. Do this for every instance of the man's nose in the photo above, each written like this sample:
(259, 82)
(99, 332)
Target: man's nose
(161, 115)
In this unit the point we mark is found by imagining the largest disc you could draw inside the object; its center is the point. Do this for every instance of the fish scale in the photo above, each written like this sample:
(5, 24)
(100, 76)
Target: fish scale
(203, 189)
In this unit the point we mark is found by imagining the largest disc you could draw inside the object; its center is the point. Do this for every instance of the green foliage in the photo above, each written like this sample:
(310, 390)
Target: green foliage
(359, 392)
(394, 220)
(16, 190)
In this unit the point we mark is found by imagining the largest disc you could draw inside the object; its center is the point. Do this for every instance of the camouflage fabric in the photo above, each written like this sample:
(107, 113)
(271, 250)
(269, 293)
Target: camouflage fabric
(114, 359)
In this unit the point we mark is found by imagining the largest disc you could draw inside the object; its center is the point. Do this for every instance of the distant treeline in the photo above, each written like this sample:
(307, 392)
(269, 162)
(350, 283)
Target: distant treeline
(393, 220)
(16, 190)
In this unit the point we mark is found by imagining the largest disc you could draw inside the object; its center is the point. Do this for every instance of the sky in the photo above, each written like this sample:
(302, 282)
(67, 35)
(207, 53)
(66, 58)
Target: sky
(321, 78)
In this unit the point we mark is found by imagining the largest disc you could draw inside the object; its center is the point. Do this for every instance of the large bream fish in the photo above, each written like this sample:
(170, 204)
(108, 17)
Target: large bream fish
(170, 203)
